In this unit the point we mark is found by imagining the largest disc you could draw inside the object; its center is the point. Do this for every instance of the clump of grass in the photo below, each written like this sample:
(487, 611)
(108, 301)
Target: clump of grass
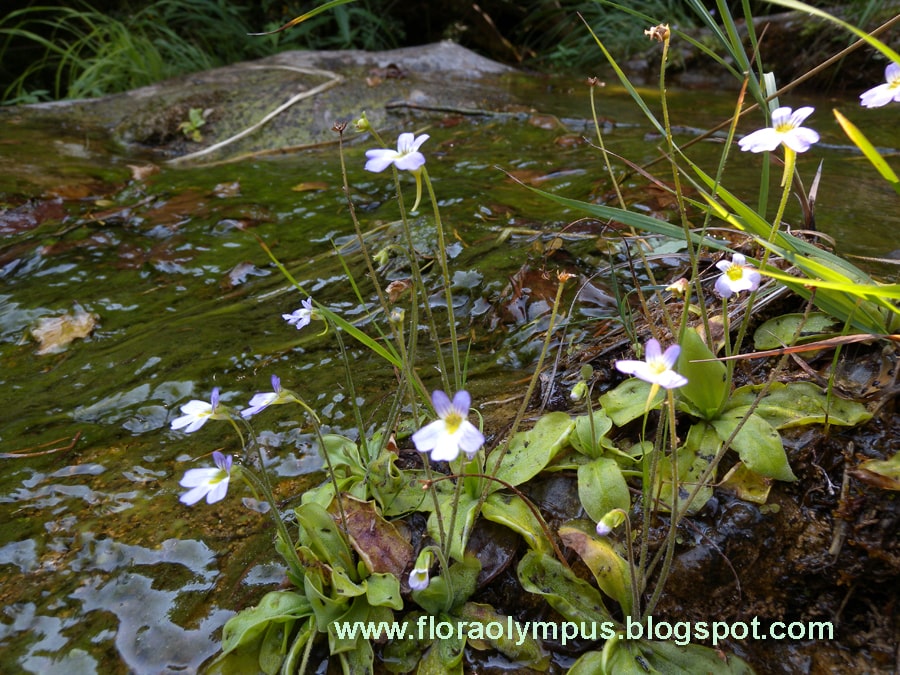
(555, 32)
(79, 51)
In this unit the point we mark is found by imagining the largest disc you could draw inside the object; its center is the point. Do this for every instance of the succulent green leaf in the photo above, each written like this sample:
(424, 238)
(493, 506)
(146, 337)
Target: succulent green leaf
(589, 435)
(757, 442)
(530, 452)
(798, 403)
(512, 512)
(249, 624)
(602, 487)
(609, 568)
(628, 401)
(574, 598)
(707, 382)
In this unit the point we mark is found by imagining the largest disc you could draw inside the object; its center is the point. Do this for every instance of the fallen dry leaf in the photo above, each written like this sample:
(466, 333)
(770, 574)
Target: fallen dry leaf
(54, 333)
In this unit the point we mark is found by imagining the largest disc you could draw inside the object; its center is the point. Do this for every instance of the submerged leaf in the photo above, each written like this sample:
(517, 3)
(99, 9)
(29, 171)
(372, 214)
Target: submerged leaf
(56, 333)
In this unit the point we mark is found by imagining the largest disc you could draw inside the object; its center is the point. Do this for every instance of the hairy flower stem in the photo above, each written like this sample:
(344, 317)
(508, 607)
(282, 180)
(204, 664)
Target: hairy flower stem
(676, 179)
(263, 485)
(520, 414)
(648, 480)
(445, 273)
(328, 463)
(673, 520)
(790, 160)
(531, 507)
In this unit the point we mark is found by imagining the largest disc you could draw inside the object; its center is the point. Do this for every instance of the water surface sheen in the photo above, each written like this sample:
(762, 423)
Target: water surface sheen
(104, 571)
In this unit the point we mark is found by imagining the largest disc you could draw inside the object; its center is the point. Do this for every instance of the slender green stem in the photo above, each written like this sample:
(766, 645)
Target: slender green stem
(790, 159)
(445, 273)
(671, 535)
(532, 383)
(263, 485)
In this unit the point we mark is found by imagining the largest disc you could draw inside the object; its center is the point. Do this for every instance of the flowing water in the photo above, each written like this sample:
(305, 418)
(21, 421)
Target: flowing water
(104, 570)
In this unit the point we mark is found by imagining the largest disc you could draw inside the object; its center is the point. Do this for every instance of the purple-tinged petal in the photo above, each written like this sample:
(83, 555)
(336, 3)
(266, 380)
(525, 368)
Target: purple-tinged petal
(800, 114)
(462, 402)
(670, 357)
(441, 402)
(800, 139)
(671, 380)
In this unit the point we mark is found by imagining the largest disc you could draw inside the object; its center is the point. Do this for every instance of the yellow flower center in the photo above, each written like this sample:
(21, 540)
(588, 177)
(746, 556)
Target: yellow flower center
(453, 422)
(735, 272)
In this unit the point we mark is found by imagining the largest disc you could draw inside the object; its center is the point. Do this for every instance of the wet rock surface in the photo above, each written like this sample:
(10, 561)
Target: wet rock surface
(288, 101)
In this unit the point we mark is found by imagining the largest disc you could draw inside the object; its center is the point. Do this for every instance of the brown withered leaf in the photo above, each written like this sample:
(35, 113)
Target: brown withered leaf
(54, 333)
(141, 172)
(378, 542)
(396, 289)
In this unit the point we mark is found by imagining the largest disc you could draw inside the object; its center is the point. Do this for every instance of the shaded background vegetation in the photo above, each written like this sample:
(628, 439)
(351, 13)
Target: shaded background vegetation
(57, 49)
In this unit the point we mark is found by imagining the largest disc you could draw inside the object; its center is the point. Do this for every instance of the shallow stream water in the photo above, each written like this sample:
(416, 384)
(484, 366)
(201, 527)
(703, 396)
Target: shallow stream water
(104, 570)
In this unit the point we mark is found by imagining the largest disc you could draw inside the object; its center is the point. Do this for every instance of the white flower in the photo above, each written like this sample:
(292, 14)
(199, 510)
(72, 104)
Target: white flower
(301, 317)
(736, 276)
(420, 576)
(418, 579)
(210, 483)
(445, 437)
(406, 157)
(197, 412)
(883, 93)
(785, 129)
(657, 369)
(277, 396)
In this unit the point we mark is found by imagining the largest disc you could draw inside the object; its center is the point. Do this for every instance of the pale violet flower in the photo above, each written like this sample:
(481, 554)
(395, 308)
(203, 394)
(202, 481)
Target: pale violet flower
(421, 575)
(736, 276)
(419, 578)
(445, 437)
(610, 521)
(197, 412)
(603, 529)
(300, 318)
(406, 157)
(883, 93)
(260, 402)
(211, 483)
(785, 129)
(657, 368)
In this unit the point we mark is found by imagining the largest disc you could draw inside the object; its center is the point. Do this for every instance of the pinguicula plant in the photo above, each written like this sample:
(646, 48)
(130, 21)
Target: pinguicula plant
(387, 537)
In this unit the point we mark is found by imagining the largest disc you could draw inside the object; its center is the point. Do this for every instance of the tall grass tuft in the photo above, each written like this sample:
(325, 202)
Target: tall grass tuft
(79, 51)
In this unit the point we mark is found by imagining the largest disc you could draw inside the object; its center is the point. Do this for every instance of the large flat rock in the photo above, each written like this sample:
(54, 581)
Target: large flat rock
(290, 100)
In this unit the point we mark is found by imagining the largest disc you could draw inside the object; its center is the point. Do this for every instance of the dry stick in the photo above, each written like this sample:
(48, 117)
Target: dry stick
(335, 79)
(33, 452)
